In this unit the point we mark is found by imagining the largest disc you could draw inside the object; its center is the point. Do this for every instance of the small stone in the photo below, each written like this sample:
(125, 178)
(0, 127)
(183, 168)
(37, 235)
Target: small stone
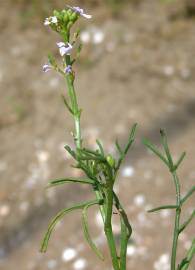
(128, 171)
(169, 70)
(85, 37)
(3, 166)
(4, 210)
(69, 254)
(139, 200)
(42, 156)
(52, 264)
(80, 264)
(98, 37)
(131, 250)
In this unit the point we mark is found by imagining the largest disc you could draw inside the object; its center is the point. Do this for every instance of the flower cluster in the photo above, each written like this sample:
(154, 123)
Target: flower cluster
(61, 22)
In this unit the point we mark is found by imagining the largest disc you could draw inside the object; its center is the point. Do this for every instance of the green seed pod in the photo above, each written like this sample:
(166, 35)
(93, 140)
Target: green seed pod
(110, 161)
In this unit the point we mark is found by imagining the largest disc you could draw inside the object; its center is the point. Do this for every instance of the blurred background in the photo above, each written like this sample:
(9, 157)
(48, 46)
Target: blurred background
(137, 65)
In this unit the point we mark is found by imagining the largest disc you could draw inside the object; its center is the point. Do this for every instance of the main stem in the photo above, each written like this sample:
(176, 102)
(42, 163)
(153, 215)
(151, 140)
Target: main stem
(177, 222)
(74, 105)
(76, 112)
(108, 228)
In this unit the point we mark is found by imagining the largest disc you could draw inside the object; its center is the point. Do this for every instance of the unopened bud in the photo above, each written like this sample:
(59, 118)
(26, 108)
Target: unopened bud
(74, 17)
(110, 161)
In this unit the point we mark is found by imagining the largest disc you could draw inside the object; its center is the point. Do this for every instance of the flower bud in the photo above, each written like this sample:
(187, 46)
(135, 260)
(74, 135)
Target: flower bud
(65, 18)
(69, 13)
(110, 161)
(74, 17)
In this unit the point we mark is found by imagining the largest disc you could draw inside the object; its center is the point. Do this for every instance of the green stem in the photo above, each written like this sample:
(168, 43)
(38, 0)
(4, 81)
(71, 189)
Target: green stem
(108, 228)
(177, 221)
(76, 111)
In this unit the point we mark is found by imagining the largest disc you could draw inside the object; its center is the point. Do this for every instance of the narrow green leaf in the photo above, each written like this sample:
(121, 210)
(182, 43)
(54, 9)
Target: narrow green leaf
(100, 147)
(180, 160)
(86, 230)
(154, 149)
(187, 222)
(51, 60)
(127, 147)
(62, 181)
(183, 263)
(189, 257)
(166, 148)
(131, 138)
(119, 148)
(90, 152)
(190, 192)
(162, 208)
(55, 220)
(67, 105)
(70, 151)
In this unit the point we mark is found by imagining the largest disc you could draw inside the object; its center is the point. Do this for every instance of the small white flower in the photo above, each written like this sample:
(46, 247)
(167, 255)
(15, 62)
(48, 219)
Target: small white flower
(54, 19)
(46, 68)
(64, 49)
(46, 22)
(50, 20)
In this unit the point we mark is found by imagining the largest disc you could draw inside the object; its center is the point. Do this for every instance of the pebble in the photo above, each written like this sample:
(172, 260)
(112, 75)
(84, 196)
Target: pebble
(169, 70)
(162, 263)
(131, 250)
(85, 37)
(3, 166)
(80, 264)
(98, 37)
(139, 200)
(53, 83)
(52, 264)
(165, 213)
(4, 210)
(69, 254)
(42, 155)
(128, 171)
(24, 206)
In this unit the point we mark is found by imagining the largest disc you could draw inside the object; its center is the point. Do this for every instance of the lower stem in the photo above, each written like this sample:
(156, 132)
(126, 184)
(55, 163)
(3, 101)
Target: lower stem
(177, 222)
(76, 112)
(108, 230)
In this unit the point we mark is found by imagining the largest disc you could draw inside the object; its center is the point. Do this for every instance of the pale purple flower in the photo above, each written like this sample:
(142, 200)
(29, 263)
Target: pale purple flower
(46, 68)
(64, 48)
(50, 20)
(80, 11)
(68, 69)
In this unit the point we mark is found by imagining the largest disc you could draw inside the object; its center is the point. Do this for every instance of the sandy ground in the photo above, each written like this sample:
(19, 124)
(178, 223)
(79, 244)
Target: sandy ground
(141, 70)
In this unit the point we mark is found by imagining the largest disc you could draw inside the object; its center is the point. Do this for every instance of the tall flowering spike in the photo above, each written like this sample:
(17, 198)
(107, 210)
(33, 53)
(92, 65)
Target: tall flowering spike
(80, 11)
(64, 49)
(46, 68)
